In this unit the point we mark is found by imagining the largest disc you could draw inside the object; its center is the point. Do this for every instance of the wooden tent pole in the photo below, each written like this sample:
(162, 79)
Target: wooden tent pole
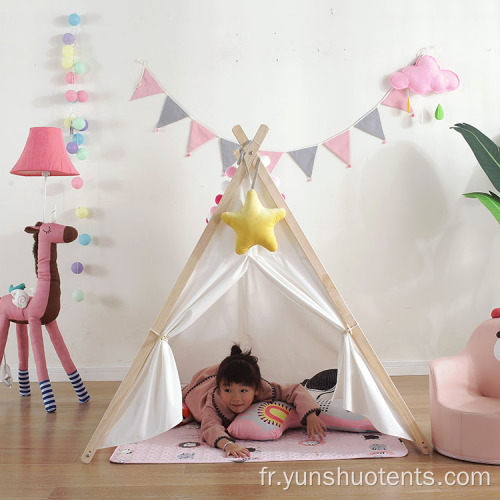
(161, 321)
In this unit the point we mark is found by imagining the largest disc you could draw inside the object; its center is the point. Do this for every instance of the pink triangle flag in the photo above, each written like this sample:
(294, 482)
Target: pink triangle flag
(340, 145)
(397, 99)
(199, 135)
(147, 86)
(274, 158)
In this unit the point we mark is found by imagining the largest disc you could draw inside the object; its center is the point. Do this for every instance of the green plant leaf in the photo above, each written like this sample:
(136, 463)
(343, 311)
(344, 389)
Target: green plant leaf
(485, 150)
(490, 201)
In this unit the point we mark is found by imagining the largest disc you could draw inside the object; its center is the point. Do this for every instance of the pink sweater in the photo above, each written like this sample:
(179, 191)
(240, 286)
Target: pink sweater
(205, 403)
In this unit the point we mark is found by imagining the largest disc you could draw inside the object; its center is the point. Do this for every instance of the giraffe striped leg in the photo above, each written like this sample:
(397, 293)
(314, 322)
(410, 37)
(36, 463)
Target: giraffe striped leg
(24, 383)
(48, 396)
(69, 366)
(41, 365)
(81, 392)
(23, 352)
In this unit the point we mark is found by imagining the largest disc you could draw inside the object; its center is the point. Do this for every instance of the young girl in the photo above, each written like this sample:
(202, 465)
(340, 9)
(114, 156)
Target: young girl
(216, 395)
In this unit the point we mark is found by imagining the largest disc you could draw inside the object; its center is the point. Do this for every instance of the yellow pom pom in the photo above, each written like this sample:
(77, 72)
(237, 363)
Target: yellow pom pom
(68, 50)
(67, 62)
(82, 212)
(68, 121)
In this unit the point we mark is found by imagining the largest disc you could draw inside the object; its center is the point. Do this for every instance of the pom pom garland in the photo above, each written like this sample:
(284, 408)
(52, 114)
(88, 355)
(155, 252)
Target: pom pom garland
(84, 239)
(76, 124)
(74, 19)
(77, 267)
(71, 96)
(78, 295)
(68, 38)
(68, 50)
(82, 96)
(72, 147)
(78, 138)
(79, 68)
(71, 78)
(82, 154)
(82, 212)
(77, 182)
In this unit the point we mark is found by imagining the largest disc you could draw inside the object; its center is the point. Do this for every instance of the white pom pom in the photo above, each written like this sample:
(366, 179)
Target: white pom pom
(266, 161)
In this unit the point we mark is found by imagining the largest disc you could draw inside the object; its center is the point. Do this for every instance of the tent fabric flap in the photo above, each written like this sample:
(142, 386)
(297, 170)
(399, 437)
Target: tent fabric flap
(154, 403)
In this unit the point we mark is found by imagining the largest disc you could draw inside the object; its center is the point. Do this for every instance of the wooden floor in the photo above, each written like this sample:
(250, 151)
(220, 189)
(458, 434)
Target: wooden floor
(39, 459)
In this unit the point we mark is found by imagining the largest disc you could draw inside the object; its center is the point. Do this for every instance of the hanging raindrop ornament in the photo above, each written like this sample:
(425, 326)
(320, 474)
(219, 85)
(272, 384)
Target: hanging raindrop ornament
(424, 77)
(439, 114)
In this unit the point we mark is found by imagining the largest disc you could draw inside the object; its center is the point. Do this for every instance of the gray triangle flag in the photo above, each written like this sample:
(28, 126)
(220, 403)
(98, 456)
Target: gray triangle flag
(305, 159)
(227, 148)
(371, 125)
(170, 113)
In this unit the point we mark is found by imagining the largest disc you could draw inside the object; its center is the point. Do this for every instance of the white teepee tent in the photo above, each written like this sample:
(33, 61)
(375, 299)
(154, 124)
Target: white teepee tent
(283, 304)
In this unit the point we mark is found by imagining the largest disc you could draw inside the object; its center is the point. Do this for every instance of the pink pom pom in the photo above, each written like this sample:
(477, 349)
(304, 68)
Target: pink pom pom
(206, 220)
(213, 209)
(77, 182)
(189, 154)
(71, 77)
(349, 166)
(230, 171)
(218, 198)
(284, 197)
(83, 96)
(71, 96)
(384, 142)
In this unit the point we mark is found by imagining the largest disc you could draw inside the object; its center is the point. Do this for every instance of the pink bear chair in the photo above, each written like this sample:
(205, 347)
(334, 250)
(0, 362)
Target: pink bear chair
(465, 398)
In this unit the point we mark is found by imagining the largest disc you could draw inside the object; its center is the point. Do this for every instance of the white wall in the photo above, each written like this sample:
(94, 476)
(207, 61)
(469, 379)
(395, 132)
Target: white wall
(417, 262)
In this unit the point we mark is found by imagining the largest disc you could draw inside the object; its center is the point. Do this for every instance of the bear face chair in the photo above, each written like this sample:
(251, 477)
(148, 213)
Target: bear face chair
(465, 397)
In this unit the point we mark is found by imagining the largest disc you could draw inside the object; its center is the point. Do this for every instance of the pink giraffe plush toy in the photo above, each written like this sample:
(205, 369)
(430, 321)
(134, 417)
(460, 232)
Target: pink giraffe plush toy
(42, 309)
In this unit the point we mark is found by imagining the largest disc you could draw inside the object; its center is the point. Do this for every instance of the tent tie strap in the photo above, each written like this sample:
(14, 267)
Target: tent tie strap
(242, 156)
(159, 335)
(349, 329)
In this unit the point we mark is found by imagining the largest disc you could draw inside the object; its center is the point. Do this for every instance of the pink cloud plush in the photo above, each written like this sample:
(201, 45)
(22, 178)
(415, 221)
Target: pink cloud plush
(424, 77)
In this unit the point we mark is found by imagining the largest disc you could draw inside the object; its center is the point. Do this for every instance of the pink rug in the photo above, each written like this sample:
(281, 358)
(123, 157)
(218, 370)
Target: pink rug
(184, 445)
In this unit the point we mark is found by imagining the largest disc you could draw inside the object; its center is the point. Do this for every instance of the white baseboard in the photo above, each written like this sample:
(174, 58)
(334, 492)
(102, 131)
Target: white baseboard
(398, 368)
(117, 373)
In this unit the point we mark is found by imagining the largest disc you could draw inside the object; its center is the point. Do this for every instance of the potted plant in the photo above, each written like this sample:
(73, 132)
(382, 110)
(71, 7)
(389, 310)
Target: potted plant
(488, 156)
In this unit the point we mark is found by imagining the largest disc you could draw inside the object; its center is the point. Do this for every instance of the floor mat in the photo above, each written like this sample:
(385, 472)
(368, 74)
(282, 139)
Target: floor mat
(184, 445)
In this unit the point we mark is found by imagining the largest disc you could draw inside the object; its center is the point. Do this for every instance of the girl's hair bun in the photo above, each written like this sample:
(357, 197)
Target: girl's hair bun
(236, 350)
(239, 367)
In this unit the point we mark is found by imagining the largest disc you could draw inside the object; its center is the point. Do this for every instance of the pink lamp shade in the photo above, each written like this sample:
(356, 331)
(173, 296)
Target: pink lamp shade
(44, 152)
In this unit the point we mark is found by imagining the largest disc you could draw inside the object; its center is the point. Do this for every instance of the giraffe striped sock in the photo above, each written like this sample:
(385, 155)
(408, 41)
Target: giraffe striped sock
(24, 383)
(48, 396)
(81, 392)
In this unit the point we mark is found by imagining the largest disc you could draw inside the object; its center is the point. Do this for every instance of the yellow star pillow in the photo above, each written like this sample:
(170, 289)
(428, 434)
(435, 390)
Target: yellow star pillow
(254, 224)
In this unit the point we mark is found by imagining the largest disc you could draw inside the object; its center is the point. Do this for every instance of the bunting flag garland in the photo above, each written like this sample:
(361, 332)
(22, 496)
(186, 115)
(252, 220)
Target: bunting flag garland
(274, 158)
(228, 158)
(305, 159)
(147, 86)
(371, 124)
(171, 113)
(398, 99)
(199, 136)
(339, 143)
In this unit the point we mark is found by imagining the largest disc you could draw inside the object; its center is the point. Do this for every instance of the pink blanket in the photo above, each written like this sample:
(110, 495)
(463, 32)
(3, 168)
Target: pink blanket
(184, 445)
